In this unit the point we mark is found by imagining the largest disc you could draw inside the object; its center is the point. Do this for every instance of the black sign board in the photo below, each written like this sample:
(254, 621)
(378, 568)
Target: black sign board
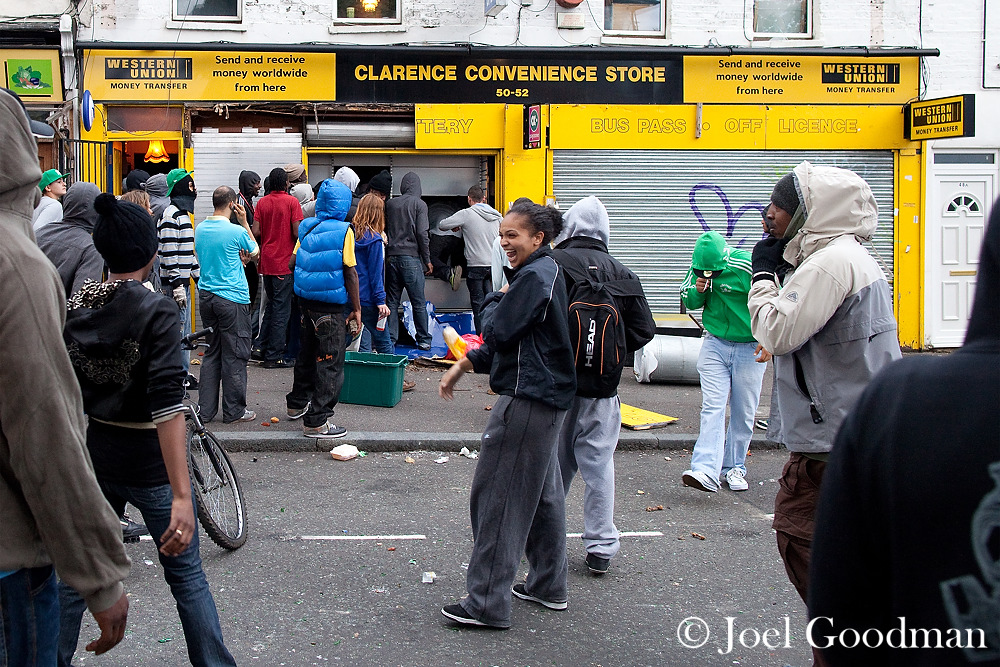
(940, 118)
(408, 76)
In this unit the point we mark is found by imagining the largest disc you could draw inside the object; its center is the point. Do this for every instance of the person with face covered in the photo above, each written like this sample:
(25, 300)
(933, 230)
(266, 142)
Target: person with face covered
(68, 243)
(730, 363)
(829, 324)
(178, 263)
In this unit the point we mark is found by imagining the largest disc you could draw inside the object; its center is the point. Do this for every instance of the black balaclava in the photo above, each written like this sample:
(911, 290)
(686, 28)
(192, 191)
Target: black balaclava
(183, 194)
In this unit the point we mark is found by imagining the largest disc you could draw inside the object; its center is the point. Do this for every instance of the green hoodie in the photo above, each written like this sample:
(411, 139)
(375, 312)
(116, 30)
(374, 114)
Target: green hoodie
(725, 312)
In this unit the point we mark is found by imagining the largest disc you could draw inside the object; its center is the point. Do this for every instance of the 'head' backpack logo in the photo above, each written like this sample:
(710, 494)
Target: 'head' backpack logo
(589, 351)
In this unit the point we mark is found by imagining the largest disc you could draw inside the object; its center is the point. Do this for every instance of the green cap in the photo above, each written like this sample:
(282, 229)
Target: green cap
(711, 255)
(50, 177)
(175, 175)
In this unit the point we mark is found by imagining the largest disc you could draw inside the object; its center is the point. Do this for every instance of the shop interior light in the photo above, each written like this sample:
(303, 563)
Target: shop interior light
(156, 152)
(369, 5)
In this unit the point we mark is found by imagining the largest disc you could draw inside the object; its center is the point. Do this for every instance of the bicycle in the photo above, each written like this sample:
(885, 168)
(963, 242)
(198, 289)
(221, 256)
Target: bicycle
(217, 491)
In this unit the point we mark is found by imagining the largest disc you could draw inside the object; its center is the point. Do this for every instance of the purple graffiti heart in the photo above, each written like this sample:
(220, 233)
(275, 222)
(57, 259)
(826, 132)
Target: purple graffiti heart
(731, 217)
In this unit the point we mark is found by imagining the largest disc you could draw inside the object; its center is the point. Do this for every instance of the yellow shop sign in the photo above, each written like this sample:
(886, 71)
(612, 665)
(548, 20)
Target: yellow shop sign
(787, 79)
(216, 76)
(725, 127)
(459, 126)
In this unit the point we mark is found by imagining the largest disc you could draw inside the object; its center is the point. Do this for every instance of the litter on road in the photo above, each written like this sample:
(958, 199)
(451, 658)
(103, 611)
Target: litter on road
(344, 452)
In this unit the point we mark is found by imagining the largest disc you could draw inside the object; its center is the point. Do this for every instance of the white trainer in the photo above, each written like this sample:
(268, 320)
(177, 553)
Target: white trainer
(736, 480)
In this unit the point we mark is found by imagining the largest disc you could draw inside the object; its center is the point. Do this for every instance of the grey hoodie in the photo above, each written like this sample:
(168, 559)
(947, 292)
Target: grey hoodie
(406, 222)
(156, 188)
(587, 217)
(68, 243)
(51, 509)
(480, 224)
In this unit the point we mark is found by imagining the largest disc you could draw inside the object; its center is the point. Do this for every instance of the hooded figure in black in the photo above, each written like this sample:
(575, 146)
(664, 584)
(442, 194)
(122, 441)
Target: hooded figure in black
(68, 243)
(249, 187)
(909, 516)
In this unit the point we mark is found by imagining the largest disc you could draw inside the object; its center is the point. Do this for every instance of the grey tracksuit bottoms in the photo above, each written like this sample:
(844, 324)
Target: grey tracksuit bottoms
(587, 442)
(518, 507)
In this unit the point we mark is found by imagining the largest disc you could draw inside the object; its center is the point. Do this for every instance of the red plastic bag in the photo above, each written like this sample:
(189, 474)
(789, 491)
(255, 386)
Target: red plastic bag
(472, 341)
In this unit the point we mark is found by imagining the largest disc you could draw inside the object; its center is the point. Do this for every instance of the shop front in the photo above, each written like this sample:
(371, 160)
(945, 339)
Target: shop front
(673, 143)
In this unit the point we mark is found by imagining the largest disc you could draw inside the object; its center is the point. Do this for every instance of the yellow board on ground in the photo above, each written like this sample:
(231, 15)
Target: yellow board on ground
(638, 419)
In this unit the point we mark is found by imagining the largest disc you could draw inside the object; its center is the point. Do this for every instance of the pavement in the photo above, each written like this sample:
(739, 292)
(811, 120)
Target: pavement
(423, 420)
(356, 596)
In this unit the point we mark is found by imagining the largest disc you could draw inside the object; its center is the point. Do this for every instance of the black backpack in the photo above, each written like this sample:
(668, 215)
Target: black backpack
(596, 325)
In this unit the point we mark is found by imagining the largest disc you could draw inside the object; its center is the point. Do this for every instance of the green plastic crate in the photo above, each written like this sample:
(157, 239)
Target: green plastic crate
(373, 379)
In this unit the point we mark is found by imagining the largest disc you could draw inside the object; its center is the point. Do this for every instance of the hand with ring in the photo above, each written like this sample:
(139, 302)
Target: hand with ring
(180, 532)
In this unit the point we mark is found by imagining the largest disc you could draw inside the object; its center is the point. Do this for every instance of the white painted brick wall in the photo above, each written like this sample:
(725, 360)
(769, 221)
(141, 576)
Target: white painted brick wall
(9, 9)
(956, 28)
(690, 23)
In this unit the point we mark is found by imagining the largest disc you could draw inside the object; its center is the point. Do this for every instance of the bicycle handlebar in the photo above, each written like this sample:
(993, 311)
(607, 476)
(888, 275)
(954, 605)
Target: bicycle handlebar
(189, 339)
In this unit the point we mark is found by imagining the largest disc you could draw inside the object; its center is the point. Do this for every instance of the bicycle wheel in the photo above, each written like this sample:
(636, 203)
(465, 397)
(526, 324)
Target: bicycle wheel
(217, 491)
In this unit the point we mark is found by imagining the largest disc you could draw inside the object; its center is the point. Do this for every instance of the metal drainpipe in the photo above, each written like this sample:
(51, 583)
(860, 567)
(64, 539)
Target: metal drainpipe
(68, 53)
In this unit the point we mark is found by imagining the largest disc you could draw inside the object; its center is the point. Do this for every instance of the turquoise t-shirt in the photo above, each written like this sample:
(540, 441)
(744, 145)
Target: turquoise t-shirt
(217, 243)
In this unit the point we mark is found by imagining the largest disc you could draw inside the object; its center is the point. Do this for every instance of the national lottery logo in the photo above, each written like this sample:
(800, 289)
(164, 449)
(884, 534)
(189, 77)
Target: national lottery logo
(694, 632)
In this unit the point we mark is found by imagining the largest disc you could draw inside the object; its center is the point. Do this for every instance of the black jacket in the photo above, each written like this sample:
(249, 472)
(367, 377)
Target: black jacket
(126, 354)
(406, 222)
(639, 325)
(526, 332)
(910, 503)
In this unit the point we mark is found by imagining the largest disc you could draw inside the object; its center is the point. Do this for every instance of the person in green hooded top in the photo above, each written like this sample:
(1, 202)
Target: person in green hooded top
(731, 364)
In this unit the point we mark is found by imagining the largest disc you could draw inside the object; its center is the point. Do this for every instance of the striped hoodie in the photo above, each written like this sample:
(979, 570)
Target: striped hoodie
(177, 259)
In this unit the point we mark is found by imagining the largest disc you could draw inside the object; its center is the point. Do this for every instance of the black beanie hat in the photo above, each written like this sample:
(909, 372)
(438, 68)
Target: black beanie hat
(784, 195)
(124, 234)
(381, 182)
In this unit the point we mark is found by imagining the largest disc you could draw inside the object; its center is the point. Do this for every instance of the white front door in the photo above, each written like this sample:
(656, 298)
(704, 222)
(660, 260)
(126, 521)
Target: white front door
(954, 235)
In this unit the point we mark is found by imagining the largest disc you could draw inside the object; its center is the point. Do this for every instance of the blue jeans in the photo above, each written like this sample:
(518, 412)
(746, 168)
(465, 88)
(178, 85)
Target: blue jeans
(274, 326)
(729, 374)
(29, 617)
(371, 335)
(183, 574)
(404, 271)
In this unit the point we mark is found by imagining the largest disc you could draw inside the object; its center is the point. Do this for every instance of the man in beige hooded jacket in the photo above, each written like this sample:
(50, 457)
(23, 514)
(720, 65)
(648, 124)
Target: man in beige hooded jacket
(51, 509)
(829, 324)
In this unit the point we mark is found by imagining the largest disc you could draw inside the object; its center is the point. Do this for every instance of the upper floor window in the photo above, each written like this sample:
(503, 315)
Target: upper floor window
(208, 10)
(782, 18)
(634, 17)
(368, 11)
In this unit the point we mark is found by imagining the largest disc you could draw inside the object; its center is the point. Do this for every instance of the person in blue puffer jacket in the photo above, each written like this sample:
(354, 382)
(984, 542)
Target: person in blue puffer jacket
(326, 283)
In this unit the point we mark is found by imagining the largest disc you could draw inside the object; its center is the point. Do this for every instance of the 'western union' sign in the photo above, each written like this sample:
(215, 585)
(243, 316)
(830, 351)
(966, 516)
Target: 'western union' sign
(941, 118)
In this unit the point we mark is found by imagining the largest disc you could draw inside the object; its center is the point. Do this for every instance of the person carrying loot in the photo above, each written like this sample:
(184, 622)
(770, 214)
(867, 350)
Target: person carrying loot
(517, 501)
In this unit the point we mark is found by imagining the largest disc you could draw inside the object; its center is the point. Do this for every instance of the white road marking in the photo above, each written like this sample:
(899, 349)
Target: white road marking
(364, 537)
(634, 533)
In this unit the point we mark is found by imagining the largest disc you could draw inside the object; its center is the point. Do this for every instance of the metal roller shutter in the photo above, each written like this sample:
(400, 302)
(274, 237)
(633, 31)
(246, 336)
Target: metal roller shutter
(219, 157)
(661, 201)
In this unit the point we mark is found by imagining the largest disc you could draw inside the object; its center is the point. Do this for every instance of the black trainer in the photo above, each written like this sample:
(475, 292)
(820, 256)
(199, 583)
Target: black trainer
(520, 591)
(277, 363)
(132, 531)
(597, 565)
(457, 613)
